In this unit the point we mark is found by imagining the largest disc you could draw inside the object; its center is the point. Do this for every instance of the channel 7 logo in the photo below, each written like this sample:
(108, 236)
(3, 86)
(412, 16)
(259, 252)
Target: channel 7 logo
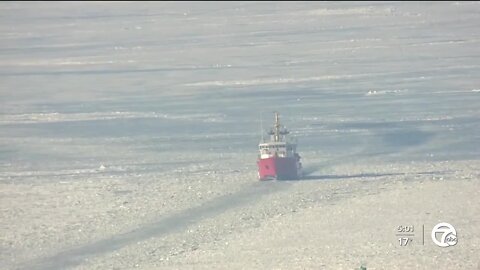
(444, 235)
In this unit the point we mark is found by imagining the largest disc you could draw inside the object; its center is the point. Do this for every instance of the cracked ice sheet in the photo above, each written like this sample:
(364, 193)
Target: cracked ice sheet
(116, 116)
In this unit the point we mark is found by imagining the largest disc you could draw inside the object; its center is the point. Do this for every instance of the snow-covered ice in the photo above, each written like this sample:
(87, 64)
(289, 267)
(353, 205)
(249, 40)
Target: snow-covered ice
(128, 134)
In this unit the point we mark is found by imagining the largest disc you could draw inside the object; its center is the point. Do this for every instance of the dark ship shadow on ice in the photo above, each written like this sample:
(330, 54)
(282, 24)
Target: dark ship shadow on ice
(348, 176)
(312, 177)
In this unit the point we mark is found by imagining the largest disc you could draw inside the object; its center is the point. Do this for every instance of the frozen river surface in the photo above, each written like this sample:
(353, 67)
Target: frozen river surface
(129, 132)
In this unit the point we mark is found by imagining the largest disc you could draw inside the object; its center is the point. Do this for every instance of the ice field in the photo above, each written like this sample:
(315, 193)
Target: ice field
(129, 134)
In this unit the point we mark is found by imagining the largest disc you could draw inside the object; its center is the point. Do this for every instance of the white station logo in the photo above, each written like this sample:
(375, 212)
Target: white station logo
(447, 233)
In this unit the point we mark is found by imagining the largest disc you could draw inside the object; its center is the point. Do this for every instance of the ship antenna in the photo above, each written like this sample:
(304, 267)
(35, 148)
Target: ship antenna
(261, 127)
(277, 127)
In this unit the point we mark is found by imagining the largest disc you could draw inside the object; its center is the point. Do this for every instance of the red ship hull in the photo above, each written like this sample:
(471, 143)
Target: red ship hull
(280, 168)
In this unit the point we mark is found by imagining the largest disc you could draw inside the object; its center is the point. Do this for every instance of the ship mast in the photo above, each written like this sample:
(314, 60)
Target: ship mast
(261, 127)
(277, 132)
(277, 128)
